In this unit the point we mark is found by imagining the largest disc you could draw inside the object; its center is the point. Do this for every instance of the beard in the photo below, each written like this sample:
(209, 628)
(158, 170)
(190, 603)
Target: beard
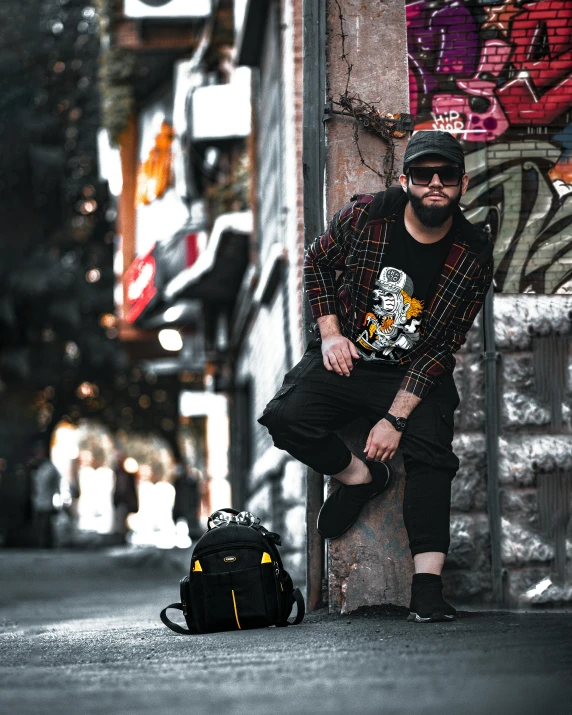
(432, 216)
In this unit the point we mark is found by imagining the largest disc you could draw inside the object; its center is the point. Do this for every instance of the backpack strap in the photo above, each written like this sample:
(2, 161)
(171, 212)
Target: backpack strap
(299, 599)
(171, 624)
(301, 607)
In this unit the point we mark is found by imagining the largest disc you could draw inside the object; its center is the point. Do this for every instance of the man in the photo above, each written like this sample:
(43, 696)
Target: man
(46, 484)
(395, 283)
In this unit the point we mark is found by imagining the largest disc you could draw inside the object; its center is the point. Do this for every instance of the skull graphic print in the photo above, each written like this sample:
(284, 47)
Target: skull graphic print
(391, 326)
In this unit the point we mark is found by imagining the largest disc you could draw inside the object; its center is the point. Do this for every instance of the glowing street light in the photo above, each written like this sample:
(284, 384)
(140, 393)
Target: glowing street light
(170, 339)
(130, 465)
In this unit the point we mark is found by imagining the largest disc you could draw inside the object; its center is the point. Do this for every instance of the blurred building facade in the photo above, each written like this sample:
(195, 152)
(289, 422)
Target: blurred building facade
(210, 235)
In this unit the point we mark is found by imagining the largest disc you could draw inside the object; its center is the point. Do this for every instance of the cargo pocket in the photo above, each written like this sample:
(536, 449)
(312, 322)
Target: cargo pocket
(273, 408)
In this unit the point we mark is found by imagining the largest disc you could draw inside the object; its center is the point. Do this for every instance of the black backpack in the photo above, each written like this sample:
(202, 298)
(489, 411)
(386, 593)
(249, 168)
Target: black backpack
(237, 581)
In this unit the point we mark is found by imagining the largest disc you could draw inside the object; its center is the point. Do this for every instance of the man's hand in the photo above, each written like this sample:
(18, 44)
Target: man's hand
(337, 352)
(382, 442)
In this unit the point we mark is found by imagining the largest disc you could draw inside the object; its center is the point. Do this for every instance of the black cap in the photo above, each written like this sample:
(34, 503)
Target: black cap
(433, 142)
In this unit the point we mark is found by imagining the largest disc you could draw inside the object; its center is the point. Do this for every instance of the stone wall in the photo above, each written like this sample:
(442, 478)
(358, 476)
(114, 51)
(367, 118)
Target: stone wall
(535, 465)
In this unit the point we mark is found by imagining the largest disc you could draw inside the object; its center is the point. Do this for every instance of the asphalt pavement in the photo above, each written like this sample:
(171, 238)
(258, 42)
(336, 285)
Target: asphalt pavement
(80, 635)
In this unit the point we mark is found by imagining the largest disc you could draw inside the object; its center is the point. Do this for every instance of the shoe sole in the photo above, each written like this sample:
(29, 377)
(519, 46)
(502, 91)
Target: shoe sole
(433, 618)
(337, 536)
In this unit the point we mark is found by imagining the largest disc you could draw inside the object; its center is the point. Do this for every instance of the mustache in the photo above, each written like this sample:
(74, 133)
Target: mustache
(435, 193)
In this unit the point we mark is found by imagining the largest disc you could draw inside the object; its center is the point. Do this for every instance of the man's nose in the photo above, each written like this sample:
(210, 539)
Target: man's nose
(435, 181)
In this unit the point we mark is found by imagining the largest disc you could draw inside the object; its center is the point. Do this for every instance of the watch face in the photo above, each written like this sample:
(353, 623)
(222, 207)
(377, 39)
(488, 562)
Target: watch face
(400, 423)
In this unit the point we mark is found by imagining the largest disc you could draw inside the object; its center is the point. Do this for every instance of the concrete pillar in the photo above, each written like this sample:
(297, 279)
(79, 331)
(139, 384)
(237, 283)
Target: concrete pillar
(371, 564)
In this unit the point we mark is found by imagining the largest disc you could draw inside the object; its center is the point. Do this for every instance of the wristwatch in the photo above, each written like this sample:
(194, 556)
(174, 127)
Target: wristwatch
(400, 423)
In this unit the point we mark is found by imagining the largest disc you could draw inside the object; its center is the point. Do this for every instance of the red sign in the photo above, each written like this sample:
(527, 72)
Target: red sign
(139, 286)
(192, 249)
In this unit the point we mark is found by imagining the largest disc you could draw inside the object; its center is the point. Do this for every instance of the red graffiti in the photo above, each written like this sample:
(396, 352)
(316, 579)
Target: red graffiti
(523, 79)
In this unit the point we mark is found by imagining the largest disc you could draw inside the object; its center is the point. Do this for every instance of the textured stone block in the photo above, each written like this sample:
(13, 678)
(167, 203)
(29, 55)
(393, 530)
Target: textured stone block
(520, 580)
(520, 506)
(467, 586)
(523, 456)
(469, 378)
(544, 593)
(517, 316)
(468, 489)
(521, 546)
(518, 372)
(519, 409)
(462, 551)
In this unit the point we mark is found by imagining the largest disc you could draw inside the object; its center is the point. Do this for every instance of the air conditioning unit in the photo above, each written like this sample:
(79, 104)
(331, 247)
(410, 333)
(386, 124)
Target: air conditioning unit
(165, 9)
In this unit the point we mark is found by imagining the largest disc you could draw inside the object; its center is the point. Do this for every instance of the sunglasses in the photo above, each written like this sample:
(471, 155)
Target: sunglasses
(222, 518)
(423, 175)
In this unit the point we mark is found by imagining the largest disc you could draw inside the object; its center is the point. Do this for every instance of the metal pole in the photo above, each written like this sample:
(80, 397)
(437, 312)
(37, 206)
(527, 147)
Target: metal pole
(313, 155)
(492, 431)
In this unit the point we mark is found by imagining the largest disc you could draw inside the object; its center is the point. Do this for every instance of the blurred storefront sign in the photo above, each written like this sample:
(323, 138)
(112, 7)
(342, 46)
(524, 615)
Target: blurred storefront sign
(109, 163)
(140, 287)
(218, 270)
(154, 176)
(167, 9)
(160, 210)
(222, 111)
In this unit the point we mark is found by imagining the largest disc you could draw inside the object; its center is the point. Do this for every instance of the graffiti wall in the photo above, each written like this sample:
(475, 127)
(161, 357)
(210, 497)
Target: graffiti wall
(499, 77)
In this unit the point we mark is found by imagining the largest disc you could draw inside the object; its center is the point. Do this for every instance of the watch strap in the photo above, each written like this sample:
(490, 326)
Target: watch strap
(398, 422)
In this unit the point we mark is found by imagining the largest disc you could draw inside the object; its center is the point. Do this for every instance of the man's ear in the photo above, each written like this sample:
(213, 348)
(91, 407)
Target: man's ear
(403, 182)
(464, 183)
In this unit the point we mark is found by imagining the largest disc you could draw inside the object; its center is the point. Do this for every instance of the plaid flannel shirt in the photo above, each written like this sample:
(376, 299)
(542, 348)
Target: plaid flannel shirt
(341, 266)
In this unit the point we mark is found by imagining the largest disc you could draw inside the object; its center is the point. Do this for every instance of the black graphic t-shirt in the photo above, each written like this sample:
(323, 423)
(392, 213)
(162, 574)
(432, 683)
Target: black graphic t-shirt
(404, 288)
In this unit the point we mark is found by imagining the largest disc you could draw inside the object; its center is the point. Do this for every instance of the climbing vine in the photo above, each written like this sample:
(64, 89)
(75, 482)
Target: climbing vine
(385, 125)
(116, 71)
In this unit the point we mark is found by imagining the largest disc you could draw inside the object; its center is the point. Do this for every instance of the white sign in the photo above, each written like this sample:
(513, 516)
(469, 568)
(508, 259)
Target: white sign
(167, 8)
(223, 111)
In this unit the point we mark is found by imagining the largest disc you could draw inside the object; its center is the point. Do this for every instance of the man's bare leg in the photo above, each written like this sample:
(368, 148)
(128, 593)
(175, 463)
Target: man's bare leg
(355, 473)
(429, 562)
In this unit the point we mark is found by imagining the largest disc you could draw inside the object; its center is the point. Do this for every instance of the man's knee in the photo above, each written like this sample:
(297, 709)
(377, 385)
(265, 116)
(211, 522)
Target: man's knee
(289, 420)
(279, 415)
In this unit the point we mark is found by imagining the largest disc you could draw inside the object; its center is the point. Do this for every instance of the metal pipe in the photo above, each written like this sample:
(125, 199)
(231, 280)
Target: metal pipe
(313, 161)
(492, 430)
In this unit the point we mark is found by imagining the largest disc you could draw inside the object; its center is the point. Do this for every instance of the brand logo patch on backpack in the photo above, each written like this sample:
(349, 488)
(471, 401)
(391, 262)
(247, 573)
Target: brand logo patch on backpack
(229, 559)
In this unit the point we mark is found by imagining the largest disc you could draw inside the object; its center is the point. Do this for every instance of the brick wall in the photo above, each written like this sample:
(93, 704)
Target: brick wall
(500, 78)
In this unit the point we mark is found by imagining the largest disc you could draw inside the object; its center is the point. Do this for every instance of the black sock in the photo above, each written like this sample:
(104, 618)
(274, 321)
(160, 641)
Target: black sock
(426, 578)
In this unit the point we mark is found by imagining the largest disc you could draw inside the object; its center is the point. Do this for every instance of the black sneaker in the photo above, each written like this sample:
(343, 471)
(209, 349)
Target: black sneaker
(427, 602)
(342, 508)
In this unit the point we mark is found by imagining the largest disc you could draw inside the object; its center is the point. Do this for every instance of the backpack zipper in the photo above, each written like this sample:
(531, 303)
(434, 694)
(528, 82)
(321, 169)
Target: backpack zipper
(237, 545)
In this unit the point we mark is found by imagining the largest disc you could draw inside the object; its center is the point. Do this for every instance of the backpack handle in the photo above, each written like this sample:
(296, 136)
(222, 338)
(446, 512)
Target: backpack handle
(171, 624)
(301, 607)
(301, 611)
